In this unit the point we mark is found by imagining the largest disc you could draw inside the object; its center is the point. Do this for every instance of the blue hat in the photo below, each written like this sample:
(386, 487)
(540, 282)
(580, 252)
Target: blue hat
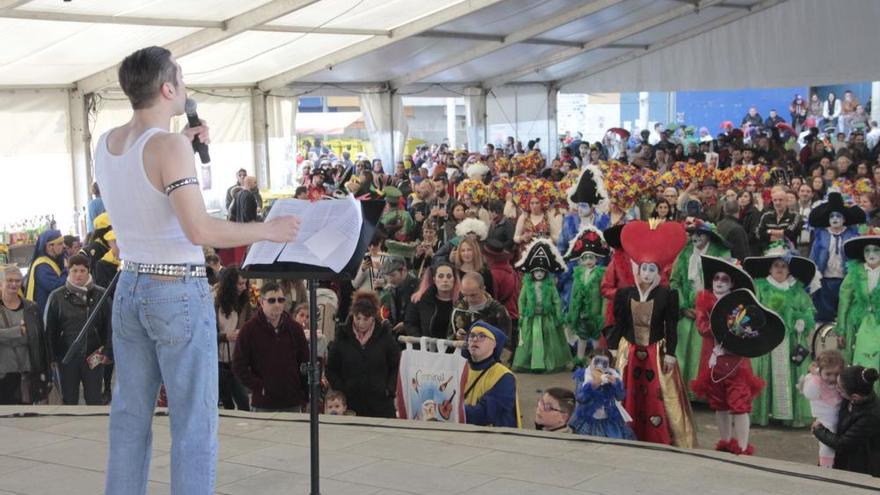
(492, 332)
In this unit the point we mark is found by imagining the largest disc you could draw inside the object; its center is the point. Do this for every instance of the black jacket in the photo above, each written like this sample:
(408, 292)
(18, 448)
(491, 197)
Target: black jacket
(367, 375)
(66, 313)
(494, 313)
(246, 207)
(503, 232)
(789, 223)
(857, 441)
(664, 317)
(420, 317)
(736, 237)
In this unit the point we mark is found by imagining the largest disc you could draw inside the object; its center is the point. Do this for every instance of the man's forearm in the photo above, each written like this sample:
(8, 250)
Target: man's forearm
(223, 234)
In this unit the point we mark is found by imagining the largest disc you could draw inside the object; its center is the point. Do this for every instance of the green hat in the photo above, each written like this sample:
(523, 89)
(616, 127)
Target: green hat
(392, 194)
(400, 249)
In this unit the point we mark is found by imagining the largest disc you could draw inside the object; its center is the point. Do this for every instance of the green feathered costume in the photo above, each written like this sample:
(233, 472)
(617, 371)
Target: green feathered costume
(690, 343)
(780, 399)
(857, 318)
(586, 309)
(542, 346)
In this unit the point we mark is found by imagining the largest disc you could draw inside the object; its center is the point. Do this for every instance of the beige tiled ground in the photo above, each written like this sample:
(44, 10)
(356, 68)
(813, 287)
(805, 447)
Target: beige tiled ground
(67, 454)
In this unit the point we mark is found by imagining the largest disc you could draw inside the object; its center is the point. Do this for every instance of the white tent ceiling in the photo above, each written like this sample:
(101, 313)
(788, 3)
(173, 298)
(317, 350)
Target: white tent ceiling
(273, 44)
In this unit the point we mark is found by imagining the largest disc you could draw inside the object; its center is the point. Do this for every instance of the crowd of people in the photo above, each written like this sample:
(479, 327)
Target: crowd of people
(610, 260)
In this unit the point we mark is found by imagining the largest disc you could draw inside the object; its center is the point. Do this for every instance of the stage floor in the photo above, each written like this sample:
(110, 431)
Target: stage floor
(269, 454)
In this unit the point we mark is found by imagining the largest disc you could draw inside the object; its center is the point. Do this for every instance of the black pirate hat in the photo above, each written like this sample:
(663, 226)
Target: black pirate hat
(712, 265)
(541, 254)
(590, 188)
(588, 240)
(742, 326)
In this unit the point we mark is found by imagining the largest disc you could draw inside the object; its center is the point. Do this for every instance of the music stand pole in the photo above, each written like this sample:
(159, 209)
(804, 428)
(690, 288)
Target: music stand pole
(314, 386)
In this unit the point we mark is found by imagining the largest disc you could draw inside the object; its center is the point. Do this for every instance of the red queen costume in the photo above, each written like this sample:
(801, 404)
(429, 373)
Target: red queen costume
(645, 336)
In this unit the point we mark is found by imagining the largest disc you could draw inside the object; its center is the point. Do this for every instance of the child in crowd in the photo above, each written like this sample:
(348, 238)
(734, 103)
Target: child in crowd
(820, 387)
(335, 404)
(599, 390)
(554, 409)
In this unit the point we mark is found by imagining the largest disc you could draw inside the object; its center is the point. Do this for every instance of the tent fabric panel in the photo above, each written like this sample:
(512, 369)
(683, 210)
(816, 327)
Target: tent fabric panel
(164, 9)
(252, 56)
(371, 14)
(707, 62)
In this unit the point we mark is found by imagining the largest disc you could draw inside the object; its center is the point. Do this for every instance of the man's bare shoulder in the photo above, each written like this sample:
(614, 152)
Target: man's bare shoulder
(166, 142)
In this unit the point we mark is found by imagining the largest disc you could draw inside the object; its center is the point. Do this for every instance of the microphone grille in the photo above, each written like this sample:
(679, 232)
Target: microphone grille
(190, 107)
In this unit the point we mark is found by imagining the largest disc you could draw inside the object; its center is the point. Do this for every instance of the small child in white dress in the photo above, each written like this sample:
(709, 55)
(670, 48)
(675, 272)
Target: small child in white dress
(820, 387)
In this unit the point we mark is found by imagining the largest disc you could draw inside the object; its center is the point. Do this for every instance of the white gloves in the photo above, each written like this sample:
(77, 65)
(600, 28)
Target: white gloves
(669, 360)
(799, 326)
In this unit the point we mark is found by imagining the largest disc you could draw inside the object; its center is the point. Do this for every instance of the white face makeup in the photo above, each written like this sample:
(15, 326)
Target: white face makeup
(584, 209)
(588, 260)
(721, 284)
(648, 273)
(835, 220)
(872, 255)
(700, 239)
(539, 274)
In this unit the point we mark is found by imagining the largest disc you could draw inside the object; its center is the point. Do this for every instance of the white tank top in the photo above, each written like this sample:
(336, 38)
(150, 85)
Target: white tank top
(147, 229)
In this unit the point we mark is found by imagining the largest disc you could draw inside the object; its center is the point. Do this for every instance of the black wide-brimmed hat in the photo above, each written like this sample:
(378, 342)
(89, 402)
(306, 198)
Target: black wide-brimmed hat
(799, 267)
(541, 254)
(588, 240)
(742, 326)
(854, 248)
(738, 277)
(612, 236)
(820, 215)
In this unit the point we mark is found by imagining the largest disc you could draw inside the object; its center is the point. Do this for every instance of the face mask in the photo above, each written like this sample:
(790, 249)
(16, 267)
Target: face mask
(539, 275)
(836, 220)
(700, 240)
(584, 210)
(721, 285)
(588, 260)
(872, 255)
(648, 273)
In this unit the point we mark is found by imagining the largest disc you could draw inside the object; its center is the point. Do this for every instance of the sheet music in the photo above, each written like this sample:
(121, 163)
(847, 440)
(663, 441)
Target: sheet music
(328, 234)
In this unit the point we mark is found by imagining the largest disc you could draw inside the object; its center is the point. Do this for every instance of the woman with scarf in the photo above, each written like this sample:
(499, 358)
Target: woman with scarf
(780, 282)
(67, 309)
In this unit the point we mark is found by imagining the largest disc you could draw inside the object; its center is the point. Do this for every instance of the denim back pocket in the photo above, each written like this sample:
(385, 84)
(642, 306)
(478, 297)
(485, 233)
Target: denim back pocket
(168, 317)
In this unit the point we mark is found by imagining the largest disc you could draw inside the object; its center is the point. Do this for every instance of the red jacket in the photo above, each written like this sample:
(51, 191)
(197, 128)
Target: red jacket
(506, 283)
(703, 305)
(268, 363)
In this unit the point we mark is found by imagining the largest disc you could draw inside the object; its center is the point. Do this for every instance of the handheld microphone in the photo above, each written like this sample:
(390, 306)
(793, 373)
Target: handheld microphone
(193, 119)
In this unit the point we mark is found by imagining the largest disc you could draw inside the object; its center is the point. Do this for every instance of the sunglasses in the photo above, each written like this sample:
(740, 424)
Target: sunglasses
(273, 300)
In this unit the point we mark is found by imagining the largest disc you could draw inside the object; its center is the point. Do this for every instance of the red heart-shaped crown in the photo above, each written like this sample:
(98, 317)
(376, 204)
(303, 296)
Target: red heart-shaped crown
(646, 245)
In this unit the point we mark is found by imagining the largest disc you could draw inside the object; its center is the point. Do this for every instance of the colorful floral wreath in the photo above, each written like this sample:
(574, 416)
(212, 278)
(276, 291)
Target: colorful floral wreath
(473, 188)
(499, 187)
(528, 164)
(864, 186)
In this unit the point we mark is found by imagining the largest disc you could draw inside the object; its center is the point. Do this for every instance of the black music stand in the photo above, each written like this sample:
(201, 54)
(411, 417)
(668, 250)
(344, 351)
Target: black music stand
(371, 211)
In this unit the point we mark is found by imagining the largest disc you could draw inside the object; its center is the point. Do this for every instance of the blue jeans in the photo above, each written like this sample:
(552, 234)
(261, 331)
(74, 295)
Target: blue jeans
(164, 331)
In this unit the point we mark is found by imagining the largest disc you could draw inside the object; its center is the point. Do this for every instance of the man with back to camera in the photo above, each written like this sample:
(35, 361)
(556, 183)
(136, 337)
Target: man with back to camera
(163, 321)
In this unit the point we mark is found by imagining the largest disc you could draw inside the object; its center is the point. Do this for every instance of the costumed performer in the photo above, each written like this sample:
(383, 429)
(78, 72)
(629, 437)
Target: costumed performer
(645, 336)
(586, 309)
(687, 279)
(833, 224)
(598, 391)
(720, 277)
(47, 271)
(542, 345)
(780, 282)
(859, 296)
(588, 203)
(742, 329)
(490, 395)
